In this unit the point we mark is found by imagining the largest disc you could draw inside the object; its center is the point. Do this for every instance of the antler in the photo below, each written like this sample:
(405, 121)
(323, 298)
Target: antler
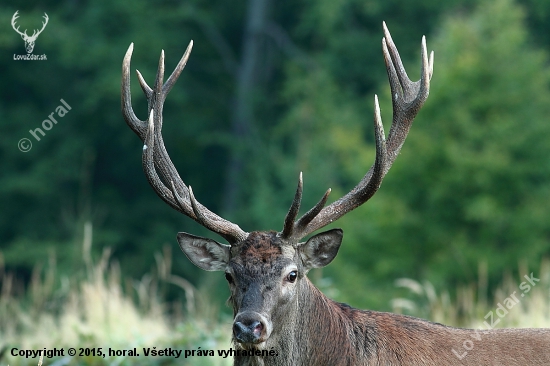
(37, 32)
(13, 19)
(407, 99)
(155, 158)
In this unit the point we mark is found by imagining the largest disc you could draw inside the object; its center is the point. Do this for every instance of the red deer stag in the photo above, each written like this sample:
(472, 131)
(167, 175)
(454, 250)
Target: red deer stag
(280, 317)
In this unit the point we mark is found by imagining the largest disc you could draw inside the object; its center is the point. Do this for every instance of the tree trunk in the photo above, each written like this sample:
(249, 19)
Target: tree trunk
(242, 121)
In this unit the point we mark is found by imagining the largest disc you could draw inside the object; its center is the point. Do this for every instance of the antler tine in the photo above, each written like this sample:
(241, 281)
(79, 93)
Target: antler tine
(155, 156)
(293, 211)
(44, 23)
(310, 215)
(407, 99)
(177, 71)
(13, 21)
(292, 228)
(137, 125)
(399, 73)
(159, 80)
(146, 88)
(195, 205)
(407, 96)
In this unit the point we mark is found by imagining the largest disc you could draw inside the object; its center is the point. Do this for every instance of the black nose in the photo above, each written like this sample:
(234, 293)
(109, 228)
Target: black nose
(247, 331)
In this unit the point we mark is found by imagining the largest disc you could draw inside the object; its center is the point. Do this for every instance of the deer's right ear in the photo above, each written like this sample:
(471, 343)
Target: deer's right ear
(205, 253)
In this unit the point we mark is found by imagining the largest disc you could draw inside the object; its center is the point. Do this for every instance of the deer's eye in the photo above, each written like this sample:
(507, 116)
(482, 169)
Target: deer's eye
(291, 277)
(229, 278)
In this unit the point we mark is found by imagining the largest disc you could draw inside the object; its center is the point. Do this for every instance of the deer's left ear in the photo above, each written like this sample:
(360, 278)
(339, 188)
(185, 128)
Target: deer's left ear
(205, 253)
(321, 249)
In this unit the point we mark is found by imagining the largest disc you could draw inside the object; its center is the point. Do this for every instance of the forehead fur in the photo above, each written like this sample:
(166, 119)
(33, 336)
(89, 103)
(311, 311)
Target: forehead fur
(262, 247)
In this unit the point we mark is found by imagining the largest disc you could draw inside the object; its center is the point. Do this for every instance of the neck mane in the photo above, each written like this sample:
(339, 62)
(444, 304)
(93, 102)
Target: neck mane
(321, 332)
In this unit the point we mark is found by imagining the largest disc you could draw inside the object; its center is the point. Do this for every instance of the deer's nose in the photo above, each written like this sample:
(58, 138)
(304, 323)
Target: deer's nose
(248, 330)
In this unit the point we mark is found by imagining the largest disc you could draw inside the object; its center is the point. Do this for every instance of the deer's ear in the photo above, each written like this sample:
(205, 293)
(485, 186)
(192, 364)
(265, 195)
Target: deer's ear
(321, 249)
(205, 253)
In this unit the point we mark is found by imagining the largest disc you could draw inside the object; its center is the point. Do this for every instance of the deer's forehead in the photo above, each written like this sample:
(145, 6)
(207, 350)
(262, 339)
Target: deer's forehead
(263, 249)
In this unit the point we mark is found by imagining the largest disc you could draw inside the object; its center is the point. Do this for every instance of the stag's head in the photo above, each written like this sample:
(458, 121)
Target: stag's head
(29, 40)
(266, 270)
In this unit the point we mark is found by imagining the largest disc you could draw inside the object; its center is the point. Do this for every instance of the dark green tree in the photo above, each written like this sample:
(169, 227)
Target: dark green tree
(473, 179)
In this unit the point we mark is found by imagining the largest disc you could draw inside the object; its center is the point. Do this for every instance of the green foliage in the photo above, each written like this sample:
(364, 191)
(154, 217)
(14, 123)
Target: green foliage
(469, 186)
(472, 182)
(88, 165)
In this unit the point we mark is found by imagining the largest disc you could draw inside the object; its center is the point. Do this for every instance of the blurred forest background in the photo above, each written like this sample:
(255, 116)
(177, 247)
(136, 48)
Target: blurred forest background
(273, 88)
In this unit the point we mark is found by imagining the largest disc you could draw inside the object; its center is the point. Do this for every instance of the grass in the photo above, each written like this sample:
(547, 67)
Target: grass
(521, 302)
(98, 309)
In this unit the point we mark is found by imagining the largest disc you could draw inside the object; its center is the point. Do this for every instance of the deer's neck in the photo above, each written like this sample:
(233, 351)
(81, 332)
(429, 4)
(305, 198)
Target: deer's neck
(318, 331)
(335, 337)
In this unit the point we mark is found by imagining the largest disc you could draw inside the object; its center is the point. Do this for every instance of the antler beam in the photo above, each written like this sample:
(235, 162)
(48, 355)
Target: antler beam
(407, 99)
(155, 157)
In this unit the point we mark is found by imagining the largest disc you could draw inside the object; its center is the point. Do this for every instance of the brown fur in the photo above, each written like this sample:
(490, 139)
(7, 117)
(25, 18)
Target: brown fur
(318, 331)
(336, 334)
(260, 246)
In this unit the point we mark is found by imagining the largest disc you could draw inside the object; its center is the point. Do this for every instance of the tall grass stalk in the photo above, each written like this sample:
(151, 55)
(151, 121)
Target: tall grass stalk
(470, 307)
(94, 309)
